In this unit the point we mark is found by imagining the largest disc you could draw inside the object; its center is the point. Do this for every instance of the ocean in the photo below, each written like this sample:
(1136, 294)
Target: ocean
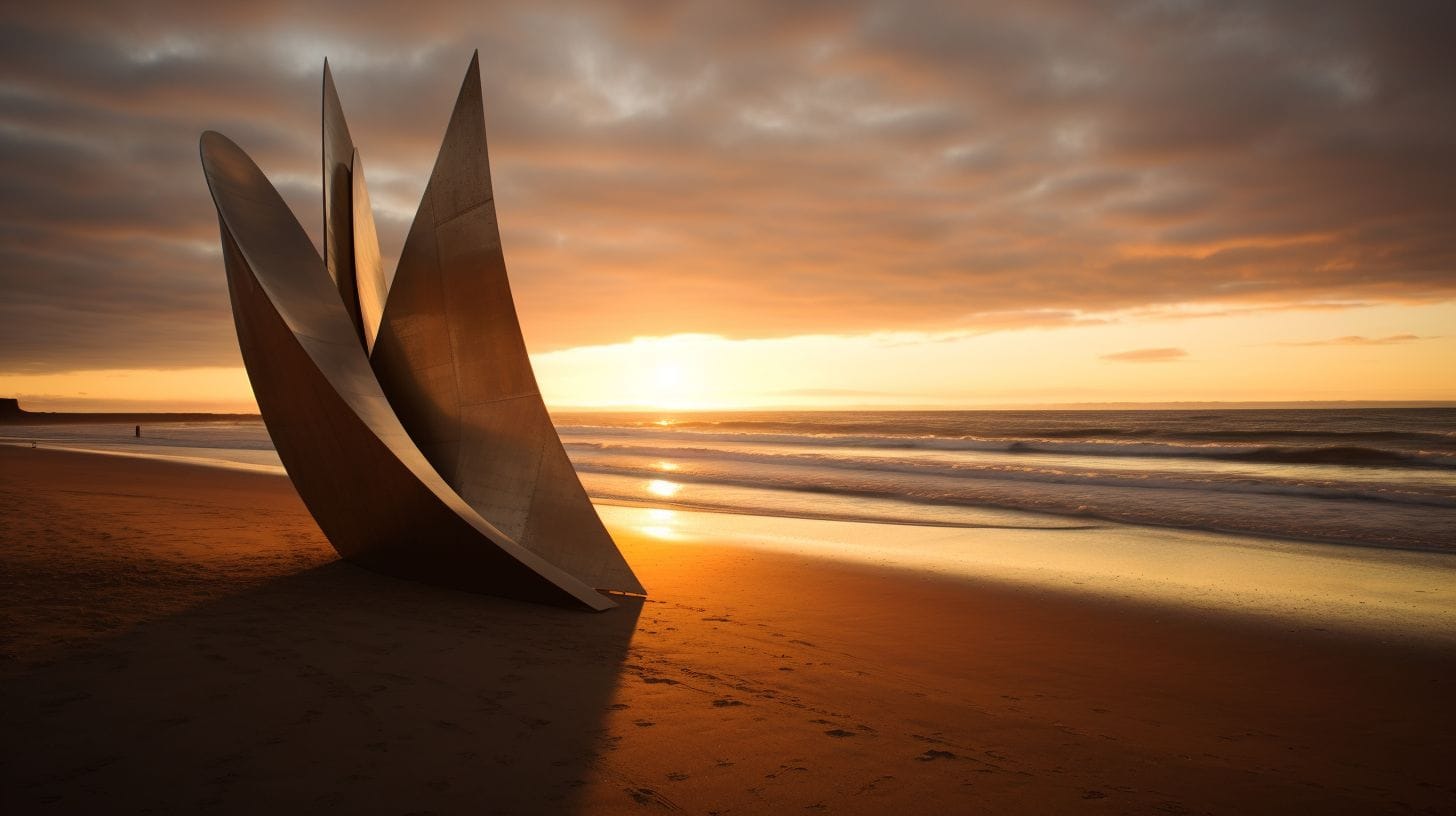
(1364, 477)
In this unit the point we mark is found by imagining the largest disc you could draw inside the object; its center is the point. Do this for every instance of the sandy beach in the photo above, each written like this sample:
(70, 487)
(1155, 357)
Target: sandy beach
(182, 639)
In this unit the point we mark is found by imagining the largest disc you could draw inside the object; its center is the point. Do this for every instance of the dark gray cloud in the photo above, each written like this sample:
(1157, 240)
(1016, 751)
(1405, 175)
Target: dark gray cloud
(747, 169)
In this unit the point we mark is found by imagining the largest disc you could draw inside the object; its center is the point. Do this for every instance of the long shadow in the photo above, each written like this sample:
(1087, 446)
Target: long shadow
(333, 690)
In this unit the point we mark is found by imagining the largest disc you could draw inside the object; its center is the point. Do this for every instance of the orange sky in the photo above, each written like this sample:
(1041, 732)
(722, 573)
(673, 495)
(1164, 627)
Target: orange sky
(806, 205)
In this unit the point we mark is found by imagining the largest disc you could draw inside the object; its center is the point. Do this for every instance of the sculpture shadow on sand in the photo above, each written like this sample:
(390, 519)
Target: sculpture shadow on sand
(333, 689)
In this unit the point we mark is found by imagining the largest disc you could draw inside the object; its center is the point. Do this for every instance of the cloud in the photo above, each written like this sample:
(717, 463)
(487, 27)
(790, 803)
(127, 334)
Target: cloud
(836, 392)
(1358, 340)
(1147, 355)
(748, 169)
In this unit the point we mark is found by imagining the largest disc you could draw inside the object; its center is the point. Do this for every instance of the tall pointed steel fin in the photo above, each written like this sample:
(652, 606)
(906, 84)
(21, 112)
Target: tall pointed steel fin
(373, 493)
(338, 151)
(368, 268)
(452, 359)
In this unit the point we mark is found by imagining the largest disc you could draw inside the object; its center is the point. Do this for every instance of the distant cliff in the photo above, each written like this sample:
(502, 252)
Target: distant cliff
(12, 413)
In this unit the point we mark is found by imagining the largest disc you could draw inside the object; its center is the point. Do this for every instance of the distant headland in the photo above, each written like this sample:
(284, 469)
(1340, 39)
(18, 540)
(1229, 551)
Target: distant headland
(12, 414)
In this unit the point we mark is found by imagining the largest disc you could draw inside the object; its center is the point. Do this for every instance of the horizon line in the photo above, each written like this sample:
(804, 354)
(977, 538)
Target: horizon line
(1109, 405)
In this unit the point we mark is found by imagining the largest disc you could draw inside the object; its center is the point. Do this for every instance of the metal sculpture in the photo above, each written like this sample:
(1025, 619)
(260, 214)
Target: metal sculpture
(407, 415)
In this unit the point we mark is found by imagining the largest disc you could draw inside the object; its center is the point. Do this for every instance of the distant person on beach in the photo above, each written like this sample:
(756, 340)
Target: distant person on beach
(139, 432)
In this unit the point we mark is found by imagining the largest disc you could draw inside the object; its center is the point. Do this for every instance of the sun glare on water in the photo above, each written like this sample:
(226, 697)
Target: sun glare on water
(663, 488)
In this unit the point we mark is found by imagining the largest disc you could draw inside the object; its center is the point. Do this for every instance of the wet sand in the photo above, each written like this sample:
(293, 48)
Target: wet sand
(182, 639)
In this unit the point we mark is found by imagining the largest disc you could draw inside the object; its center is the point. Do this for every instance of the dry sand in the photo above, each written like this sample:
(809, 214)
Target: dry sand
(182, 639)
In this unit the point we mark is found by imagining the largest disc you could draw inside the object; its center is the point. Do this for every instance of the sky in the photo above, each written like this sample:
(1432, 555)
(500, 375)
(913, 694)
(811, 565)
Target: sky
(769, 204)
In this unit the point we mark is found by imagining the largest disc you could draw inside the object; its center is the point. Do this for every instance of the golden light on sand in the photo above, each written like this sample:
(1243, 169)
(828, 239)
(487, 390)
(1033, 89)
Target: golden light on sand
(663, 488)
(663, 526)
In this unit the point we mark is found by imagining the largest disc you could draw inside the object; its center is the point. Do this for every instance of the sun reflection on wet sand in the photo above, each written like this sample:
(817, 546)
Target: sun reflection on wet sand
(663, 526)
(1388, 591)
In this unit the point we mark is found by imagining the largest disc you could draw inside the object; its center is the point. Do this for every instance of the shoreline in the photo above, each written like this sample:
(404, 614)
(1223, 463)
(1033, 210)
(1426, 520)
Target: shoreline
(1380, 593)
(181, 639)
(1060, 520)
(1332, 585)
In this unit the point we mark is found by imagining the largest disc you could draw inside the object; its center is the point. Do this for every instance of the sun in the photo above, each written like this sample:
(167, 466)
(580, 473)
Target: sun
(667, 376)
(670, 379)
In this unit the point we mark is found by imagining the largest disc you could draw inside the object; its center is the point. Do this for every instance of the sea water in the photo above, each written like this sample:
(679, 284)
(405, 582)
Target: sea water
(1371, 477)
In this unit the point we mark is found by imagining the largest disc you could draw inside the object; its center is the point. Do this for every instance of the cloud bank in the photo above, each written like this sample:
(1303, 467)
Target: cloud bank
(747, 169)
(1147, 355)
(1361, 340)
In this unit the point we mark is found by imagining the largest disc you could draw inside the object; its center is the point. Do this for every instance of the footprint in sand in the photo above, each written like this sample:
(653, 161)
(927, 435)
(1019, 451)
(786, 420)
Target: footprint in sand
(869, 787)
(932, 755)
(727, 703)
(839, 733)
(648, 796)
(783, 769)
